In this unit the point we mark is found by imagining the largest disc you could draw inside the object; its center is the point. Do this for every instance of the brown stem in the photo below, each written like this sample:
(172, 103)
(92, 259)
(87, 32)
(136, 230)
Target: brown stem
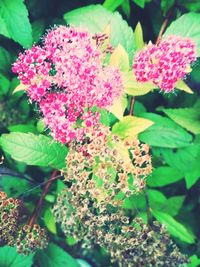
(132, 105)
(40, 202)
(148, 208)
(164, 25)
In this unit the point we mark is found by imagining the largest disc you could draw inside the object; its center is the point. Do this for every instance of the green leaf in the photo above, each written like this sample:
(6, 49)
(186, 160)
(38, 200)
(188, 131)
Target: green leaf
(3, 28)
(140, 3)
(15, 15)
(5, 60)
(186, 26)
(130, 126)
(166, 5)
(163, 176)
(10, 258)
(164, 133)
(194, 261)
(96, 18)
(119, 58)
(38, 28)
(193, 5)
(49, 221)
(54, 256)
(188, 118)
(174, 227)
(156, 197)
(134, 88)
(33, 149)
(112, 5)
(4, 85)
(126, 8)
(191, 177)
(172, 205)
(14, 186)
(139, 41)
(23, 128)
(118, 107)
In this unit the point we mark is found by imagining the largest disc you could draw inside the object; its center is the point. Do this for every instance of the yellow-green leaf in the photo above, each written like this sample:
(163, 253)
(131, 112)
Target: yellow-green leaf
(131, 126)
(118, 107)
(50, 221)
(134, 88)
(20, 87)
(181, 85)
(120, 58)
(139, 42)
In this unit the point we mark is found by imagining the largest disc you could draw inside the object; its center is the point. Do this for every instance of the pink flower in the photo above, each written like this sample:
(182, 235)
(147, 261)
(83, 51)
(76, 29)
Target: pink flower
(164, 63)
(66, 77)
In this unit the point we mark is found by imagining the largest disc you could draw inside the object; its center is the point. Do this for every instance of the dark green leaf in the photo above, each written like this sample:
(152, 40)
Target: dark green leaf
(54, 256)
(140, 3)
(174, 227)
(38, 27)
(164, 133)
(33, 149)
(5, 60)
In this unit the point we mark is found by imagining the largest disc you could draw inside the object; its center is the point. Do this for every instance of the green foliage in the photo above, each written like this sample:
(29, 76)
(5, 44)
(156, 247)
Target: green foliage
(10, 258)
(33, 149)
(14, 14)
(186, 26)
(164, 133)
(54, 256)
(174, 227)
(96, 19)
(188, 118)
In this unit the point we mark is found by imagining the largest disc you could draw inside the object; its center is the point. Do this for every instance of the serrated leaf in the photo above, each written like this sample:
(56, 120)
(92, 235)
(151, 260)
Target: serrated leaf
(163, 176)
(119, 58)
(54, 256)
(15, 16)
(10, 258)
(188, 118)
(3, 28)
(186, 26)
(112, 5)
(134, 88)
(33, 149)
(131, 126)
(95, 18)
(181, 85)
(139, 41)
(164, 133)
(174, 227)
(118, 107)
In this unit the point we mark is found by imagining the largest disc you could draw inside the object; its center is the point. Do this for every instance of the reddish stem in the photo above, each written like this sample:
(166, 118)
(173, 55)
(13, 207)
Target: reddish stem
(38, 208)
(132, 105)
(164, 25)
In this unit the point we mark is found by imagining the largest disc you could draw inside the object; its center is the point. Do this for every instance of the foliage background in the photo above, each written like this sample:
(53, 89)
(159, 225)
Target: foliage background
(174, 186)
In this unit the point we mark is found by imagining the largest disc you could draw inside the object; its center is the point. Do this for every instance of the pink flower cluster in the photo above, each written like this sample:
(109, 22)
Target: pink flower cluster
(66, 77)
(164, 63)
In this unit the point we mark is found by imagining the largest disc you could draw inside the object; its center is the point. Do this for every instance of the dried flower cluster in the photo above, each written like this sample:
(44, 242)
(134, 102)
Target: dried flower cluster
(66, 77)
(165, 63)
(130, 243)
(109, 168)
(9, 218)
(27, 239)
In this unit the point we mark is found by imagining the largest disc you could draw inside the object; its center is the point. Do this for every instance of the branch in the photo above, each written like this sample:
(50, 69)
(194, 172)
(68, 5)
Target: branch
(37, 210)
(132, 105)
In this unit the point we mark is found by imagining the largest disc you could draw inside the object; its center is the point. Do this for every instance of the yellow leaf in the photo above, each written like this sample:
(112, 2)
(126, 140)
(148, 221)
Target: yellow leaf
(131, 126)
(139, 37)
(181, 85)
(118, 107)
(120, 58)
(134, 88)
(20, 87)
